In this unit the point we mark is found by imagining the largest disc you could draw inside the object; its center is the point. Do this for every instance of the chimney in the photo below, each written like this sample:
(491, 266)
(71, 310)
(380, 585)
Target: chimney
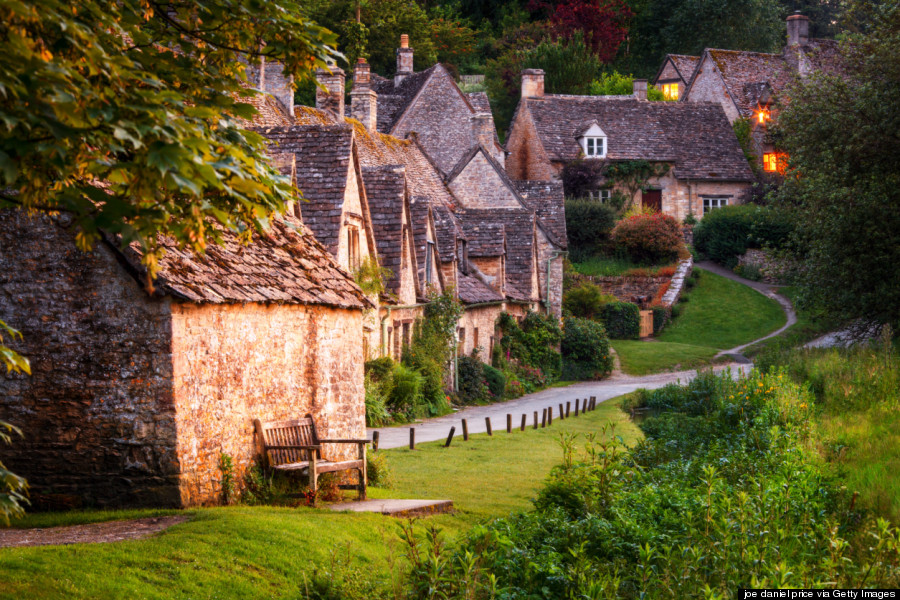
(269, 77)
(532, 83)
(797, 29)
(483, 130)
(640, 89)
(332, 96)
(363, 99)
(404, 60)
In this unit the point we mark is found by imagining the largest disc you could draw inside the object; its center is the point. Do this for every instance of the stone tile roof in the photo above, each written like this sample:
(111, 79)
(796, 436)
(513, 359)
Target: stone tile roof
(684, 64)
(473, 290)
(285, 265)
(519, 225)
(738, 69)
(641, 130)
(484, 239)
(325, 153)
(386, 190)
(269, 112)
(481, 104)
(393, 100)
(449, 229)
(547, 199)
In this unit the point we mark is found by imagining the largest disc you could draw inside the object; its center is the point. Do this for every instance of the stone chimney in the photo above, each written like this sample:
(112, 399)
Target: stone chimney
(532, 83)
(363, 99)
(797, 29)
(483, 130)
(332, 96)
(269, 77)
(404, 60)
(640, 89)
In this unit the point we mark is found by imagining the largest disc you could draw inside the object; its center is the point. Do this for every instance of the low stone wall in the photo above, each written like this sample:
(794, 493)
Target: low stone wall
(638, 290)
(771, 268)
(677, 285)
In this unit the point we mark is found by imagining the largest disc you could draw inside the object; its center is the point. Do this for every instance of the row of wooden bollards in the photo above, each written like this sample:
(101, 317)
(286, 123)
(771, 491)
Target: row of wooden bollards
(581, 407)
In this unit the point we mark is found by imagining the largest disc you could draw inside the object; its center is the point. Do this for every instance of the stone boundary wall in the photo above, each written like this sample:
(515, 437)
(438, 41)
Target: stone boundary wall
(677, 285)
(771, 268)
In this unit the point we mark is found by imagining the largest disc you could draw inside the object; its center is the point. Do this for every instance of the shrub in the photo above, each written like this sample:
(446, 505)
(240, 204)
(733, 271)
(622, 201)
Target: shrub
(380, 369)
(473, 386)
(406, 390)
(586, 301)
(585, 350)
(726, 233)
(378, 472)
(622, 320)
(649, 238)
(588, 226)
(377, 414)
(660, 316)
(533, 344)
(496, 380)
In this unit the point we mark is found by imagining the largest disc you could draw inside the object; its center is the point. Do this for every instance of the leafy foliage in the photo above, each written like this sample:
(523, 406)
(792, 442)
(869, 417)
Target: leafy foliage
(744, 137)
(603, 23)
(473, 385)
(649, 238)
(632, 176)
(13, 488)
(616, 84)
(585, 350)
(727, 232)
(533, 344)
(585, 301)
(622, 320)
(588, 226)
(370, 277)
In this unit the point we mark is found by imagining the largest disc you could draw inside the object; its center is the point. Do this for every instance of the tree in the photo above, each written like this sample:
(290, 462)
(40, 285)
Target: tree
(840, 132)
(604, 23)
(125, 114)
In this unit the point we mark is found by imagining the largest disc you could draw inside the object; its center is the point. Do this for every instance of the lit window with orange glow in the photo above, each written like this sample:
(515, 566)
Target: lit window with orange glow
(763, 116)
(670, 91)
(775, 162)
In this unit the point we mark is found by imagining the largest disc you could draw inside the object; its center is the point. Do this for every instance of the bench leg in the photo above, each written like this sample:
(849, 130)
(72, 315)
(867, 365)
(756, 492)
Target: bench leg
(313, 475)
(363, 478)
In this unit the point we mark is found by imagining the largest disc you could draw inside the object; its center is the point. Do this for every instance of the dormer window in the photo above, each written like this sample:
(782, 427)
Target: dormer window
(593, 142)
(670, 91)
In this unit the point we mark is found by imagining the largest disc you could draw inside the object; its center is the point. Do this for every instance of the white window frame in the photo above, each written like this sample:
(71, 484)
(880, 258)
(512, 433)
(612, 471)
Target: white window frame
(711, 203)
(593, 142)
(601, 196)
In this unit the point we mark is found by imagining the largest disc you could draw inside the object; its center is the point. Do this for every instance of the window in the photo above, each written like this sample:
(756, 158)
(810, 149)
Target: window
(713, 202)
(763, 116)
(595, 147)
(475, 338)
(670, 91)
(600, 196)
(429, 258)
(353, 248)
(775, 162)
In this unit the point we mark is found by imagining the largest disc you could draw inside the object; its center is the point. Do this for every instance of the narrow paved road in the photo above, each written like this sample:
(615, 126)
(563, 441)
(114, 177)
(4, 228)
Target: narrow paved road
(438, 428)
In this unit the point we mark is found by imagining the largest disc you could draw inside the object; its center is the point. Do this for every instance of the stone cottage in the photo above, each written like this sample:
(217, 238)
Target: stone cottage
(135, 394)
(704, 165)
(749, 85)
(674, 75)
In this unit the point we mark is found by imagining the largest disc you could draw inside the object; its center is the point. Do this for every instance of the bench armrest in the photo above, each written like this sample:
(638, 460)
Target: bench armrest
(344, 441)
(293, 447)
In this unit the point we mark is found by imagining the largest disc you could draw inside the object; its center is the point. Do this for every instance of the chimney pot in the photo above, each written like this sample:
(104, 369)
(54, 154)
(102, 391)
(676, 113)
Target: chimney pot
(332, 96)
(532, 83)
(404, 41)
(640, 89)
(797, 29)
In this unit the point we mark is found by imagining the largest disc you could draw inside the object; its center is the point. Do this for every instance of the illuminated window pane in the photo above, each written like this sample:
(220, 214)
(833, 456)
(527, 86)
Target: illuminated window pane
(670, 91)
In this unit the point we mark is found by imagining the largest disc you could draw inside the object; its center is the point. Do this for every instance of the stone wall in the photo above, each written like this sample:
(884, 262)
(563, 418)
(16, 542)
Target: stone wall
(527, 159)
(479, 325)
(440, 118)
(709, 87)
(479, 186)
(626, 288)
(97, 412)
(236, 363)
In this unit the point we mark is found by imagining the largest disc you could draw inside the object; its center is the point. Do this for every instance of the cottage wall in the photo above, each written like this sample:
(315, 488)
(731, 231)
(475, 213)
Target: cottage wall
(235, 363)
(352, 216)
(479, 186)
(478, 323)
(527, 158)
(97, 412)
(669, 73)
(547, 252)
(680, 198)
(441, 119)
(709, 87)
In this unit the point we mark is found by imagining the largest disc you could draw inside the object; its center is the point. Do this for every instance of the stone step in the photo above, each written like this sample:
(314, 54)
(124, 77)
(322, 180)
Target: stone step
(396, 508)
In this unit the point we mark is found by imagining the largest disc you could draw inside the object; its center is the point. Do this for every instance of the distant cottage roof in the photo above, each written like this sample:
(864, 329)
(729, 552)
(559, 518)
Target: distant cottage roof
(485, 239)
(386, 189)
(285, 265)
(547, 199)
(393, 100)
(519, 225)
(696, 137)
(684, 64)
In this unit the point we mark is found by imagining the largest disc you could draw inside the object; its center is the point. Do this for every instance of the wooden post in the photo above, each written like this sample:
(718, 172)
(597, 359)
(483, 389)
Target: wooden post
(450, 437)
(549, 416)
(535, 420)
(524, 421)
(412, 438)
(593, 402)
(568, 409)
(508, 423)
(374, 441)
(465, 431)
(562, 413)
(543, 418)
(577, 402)
(487, 423)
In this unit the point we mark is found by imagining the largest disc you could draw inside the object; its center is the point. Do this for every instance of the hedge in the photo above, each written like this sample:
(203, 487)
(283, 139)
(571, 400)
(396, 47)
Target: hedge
(660, 316)
(728, 232)
(588, 225)
(622, 320)
(649, 238)
(585, 350)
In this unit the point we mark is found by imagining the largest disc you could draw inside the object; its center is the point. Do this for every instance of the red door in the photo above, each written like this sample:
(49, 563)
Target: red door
(652, 199)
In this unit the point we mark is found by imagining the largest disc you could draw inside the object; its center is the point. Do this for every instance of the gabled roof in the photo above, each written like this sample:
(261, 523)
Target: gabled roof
(325, 158)
(482, 104)
(472, 290)
(548, 200)
(519, 225)
(485, 239)
(738, 69)
(388, 201)
(393, 100)
(285, 265)
(684, 64)
(641, 130)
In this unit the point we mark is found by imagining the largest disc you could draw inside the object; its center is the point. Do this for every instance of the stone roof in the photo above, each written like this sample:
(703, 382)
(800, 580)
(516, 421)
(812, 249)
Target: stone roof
(325, 153)
(683, 63)
(473, 290)
(482, 104)
(393, 100)
(269, 112)
(284, 265)
(738, 69)
(448, 229)
(386, 190)
(484, 239)
(519, 226)
(547, 199)
(642, 130)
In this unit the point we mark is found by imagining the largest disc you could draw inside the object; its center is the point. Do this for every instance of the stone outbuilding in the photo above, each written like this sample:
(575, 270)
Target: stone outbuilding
(674, 75)
(136, 395)
(704, 165)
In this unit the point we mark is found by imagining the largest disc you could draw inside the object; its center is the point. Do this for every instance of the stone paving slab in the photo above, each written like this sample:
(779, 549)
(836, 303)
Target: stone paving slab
(396, 508)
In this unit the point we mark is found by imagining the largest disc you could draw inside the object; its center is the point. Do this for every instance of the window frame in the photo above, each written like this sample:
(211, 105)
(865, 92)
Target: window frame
(429, 259)
(720, 202)
(594, 138)
(667, 90)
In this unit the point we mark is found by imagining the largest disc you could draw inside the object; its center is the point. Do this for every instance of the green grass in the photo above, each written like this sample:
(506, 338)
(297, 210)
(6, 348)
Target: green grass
(253, 552)
(642, 358)
(719, 314)
(604, 266)
(808, 327)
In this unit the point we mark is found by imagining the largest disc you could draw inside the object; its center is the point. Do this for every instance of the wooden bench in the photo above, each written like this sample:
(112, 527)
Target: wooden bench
(295, 446)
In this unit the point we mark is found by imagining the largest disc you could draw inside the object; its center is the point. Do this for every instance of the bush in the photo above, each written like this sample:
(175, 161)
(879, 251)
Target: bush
(622, 320)
(533, 344)
(588, 225)
(649, 238)
(378, 472)
(660, 316)
(726, 233)
(377, 414)
(380, 369)
(585, 350)
(473, 386)
(406, 390)
(496, 380)
(586, 301)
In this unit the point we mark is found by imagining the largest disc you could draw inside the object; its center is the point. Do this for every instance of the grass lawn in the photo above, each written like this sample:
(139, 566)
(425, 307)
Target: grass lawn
(719, 314)
(808, 327)
(271, 552)
(609, 266)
